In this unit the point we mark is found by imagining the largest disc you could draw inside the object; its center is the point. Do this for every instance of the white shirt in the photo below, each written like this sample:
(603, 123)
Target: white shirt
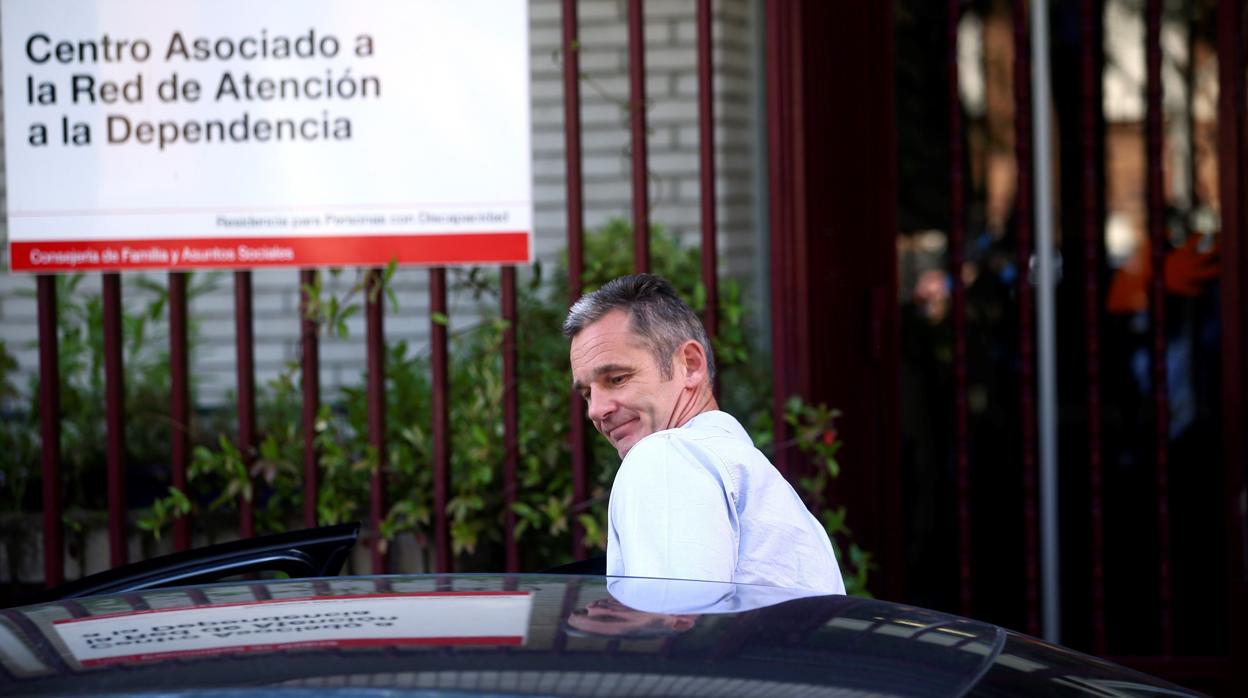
(700, 502)
(682, 596)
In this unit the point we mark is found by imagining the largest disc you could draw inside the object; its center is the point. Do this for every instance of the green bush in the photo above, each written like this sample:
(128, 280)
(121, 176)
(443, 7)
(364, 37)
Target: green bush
(80, 335)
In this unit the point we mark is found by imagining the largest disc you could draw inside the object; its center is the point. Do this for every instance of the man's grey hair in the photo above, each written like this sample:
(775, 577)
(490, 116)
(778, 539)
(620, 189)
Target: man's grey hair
(658, 316)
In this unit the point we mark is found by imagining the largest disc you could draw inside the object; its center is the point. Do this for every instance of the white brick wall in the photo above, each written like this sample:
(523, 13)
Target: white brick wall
(674, 190)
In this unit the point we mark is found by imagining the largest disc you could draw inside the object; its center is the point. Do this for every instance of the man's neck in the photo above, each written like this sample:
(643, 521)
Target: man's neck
(699, 400)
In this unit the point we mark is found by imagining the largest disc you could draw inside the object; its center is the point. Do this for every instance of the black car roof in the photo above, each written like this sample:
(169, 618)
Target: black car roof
(524, 634)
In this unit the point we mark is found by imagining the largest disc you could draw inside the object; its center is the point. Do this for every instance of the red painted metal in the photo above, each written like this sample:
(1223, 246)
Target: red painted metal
(576, 250)
(50, 432)
(511, 418)
(786, 166)
(244, 349)
(1157, 301)
(1090, 110)
(957, 248)
(198, 597)
(179, 400)
(311, 380)
(637, 121)
(572, 147)
(706, 148)
(571, 594)
(1233, 240)
(1023, 213)
(375, 318)
(441, 419)
(136, 602)
(580, 467)
(115, 418)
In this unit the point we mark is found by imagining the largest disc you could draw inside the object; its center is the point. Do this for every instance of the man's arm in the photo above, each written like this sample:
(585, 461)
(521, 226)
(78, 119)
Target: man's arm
(671, 514)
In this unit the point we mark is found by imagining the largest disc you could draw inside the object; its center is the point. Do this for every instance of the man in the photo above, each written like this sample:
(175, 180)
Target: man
(693, 498)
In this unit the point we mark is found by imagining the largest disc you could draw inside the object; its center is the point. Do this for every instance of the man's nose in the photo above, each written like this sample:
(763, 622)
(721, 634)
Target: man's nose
(600, 407)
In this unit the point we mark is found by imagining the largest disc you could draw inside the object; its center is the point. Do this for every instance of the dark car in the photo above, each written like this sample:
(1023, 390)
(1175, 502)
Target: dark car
(504, 635)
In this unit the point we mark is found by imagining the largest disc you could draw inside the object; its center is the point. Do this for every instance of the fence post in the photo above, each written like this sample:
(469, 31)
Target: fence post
(576, 255)
(50, 431)
(115, 417)
(244, 347)
(441, 418)
(179, 400)
(374, 310)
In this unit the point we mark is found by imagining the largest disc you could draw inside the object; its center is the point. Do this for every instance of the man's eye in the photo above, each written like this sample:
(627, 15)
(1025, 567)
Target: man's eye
(618, 380)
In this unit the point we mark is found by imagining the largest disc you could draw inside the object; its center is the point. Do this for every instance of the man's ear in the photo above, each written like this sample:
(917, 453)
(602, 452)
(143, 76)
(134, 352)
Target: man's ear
(692, 357)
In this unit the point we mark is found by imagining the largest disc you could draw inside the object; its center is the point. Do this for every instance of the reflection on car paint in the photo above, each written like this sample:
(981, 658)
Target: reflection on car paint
(659, 637)
(366, 620)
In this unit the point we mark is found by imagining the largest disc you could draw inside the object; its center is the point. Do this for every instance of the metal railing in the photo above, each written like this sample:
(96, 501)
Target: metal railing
(179, 406)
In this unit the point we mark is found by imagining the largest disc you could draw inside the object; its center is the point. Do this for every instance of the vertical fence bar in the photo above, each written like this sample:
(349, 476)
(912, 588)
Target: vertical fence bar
(260, 591)
(75, 609)
(311, 380)
(957, 248)
(136, 602)
(50, 431)
(41, 645)
(198, 597)
(706, 148)
(375, 319)
(572, 147)
(511, 418)
(1090, 49)
(1157, 300)
(244, 349)
(637, 120)
(115, 417)
(179, 400)
(571, 593)
(576, 254)
(1026, 308)
(786, 217)
(441, 419)
(1233, 196)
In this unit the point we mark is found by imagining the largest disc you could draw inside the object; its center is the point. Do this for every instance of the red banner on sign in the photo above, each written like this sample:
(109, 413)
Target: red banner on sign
(245, 253)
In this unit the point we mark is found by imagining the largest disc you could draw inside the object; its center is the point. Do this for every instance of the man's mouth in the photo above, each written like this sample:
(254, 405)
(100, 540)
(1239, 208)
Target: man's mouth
(615, 432)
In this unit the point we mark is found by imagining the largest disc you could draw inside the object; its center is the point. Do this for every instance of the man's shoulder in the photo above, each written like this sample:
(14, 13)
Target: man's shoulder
(653, 448)
(715, 423)
(714, 439)
(671, 449)
(696, 433)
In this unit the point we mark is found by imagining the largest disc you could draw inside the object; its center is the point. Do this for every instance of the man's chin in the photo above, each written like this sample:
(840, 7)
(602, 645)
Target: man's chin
(624, 446)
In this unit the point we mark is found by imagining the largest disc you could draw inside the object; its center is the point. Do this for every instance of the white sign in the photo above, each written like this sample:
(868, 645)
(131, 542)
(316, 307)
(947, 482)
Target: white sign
(374, 620)
(187, 133)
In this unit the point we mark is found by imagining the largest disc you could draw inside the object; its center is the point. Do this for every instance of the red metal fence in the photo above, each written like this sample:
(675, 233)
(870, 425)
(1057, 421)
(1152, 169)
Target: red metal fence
(374, 314)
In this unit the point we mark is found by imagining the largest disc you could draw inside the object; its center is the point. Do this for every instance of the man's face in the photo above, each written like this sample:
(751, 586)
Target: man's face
(617, 375)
